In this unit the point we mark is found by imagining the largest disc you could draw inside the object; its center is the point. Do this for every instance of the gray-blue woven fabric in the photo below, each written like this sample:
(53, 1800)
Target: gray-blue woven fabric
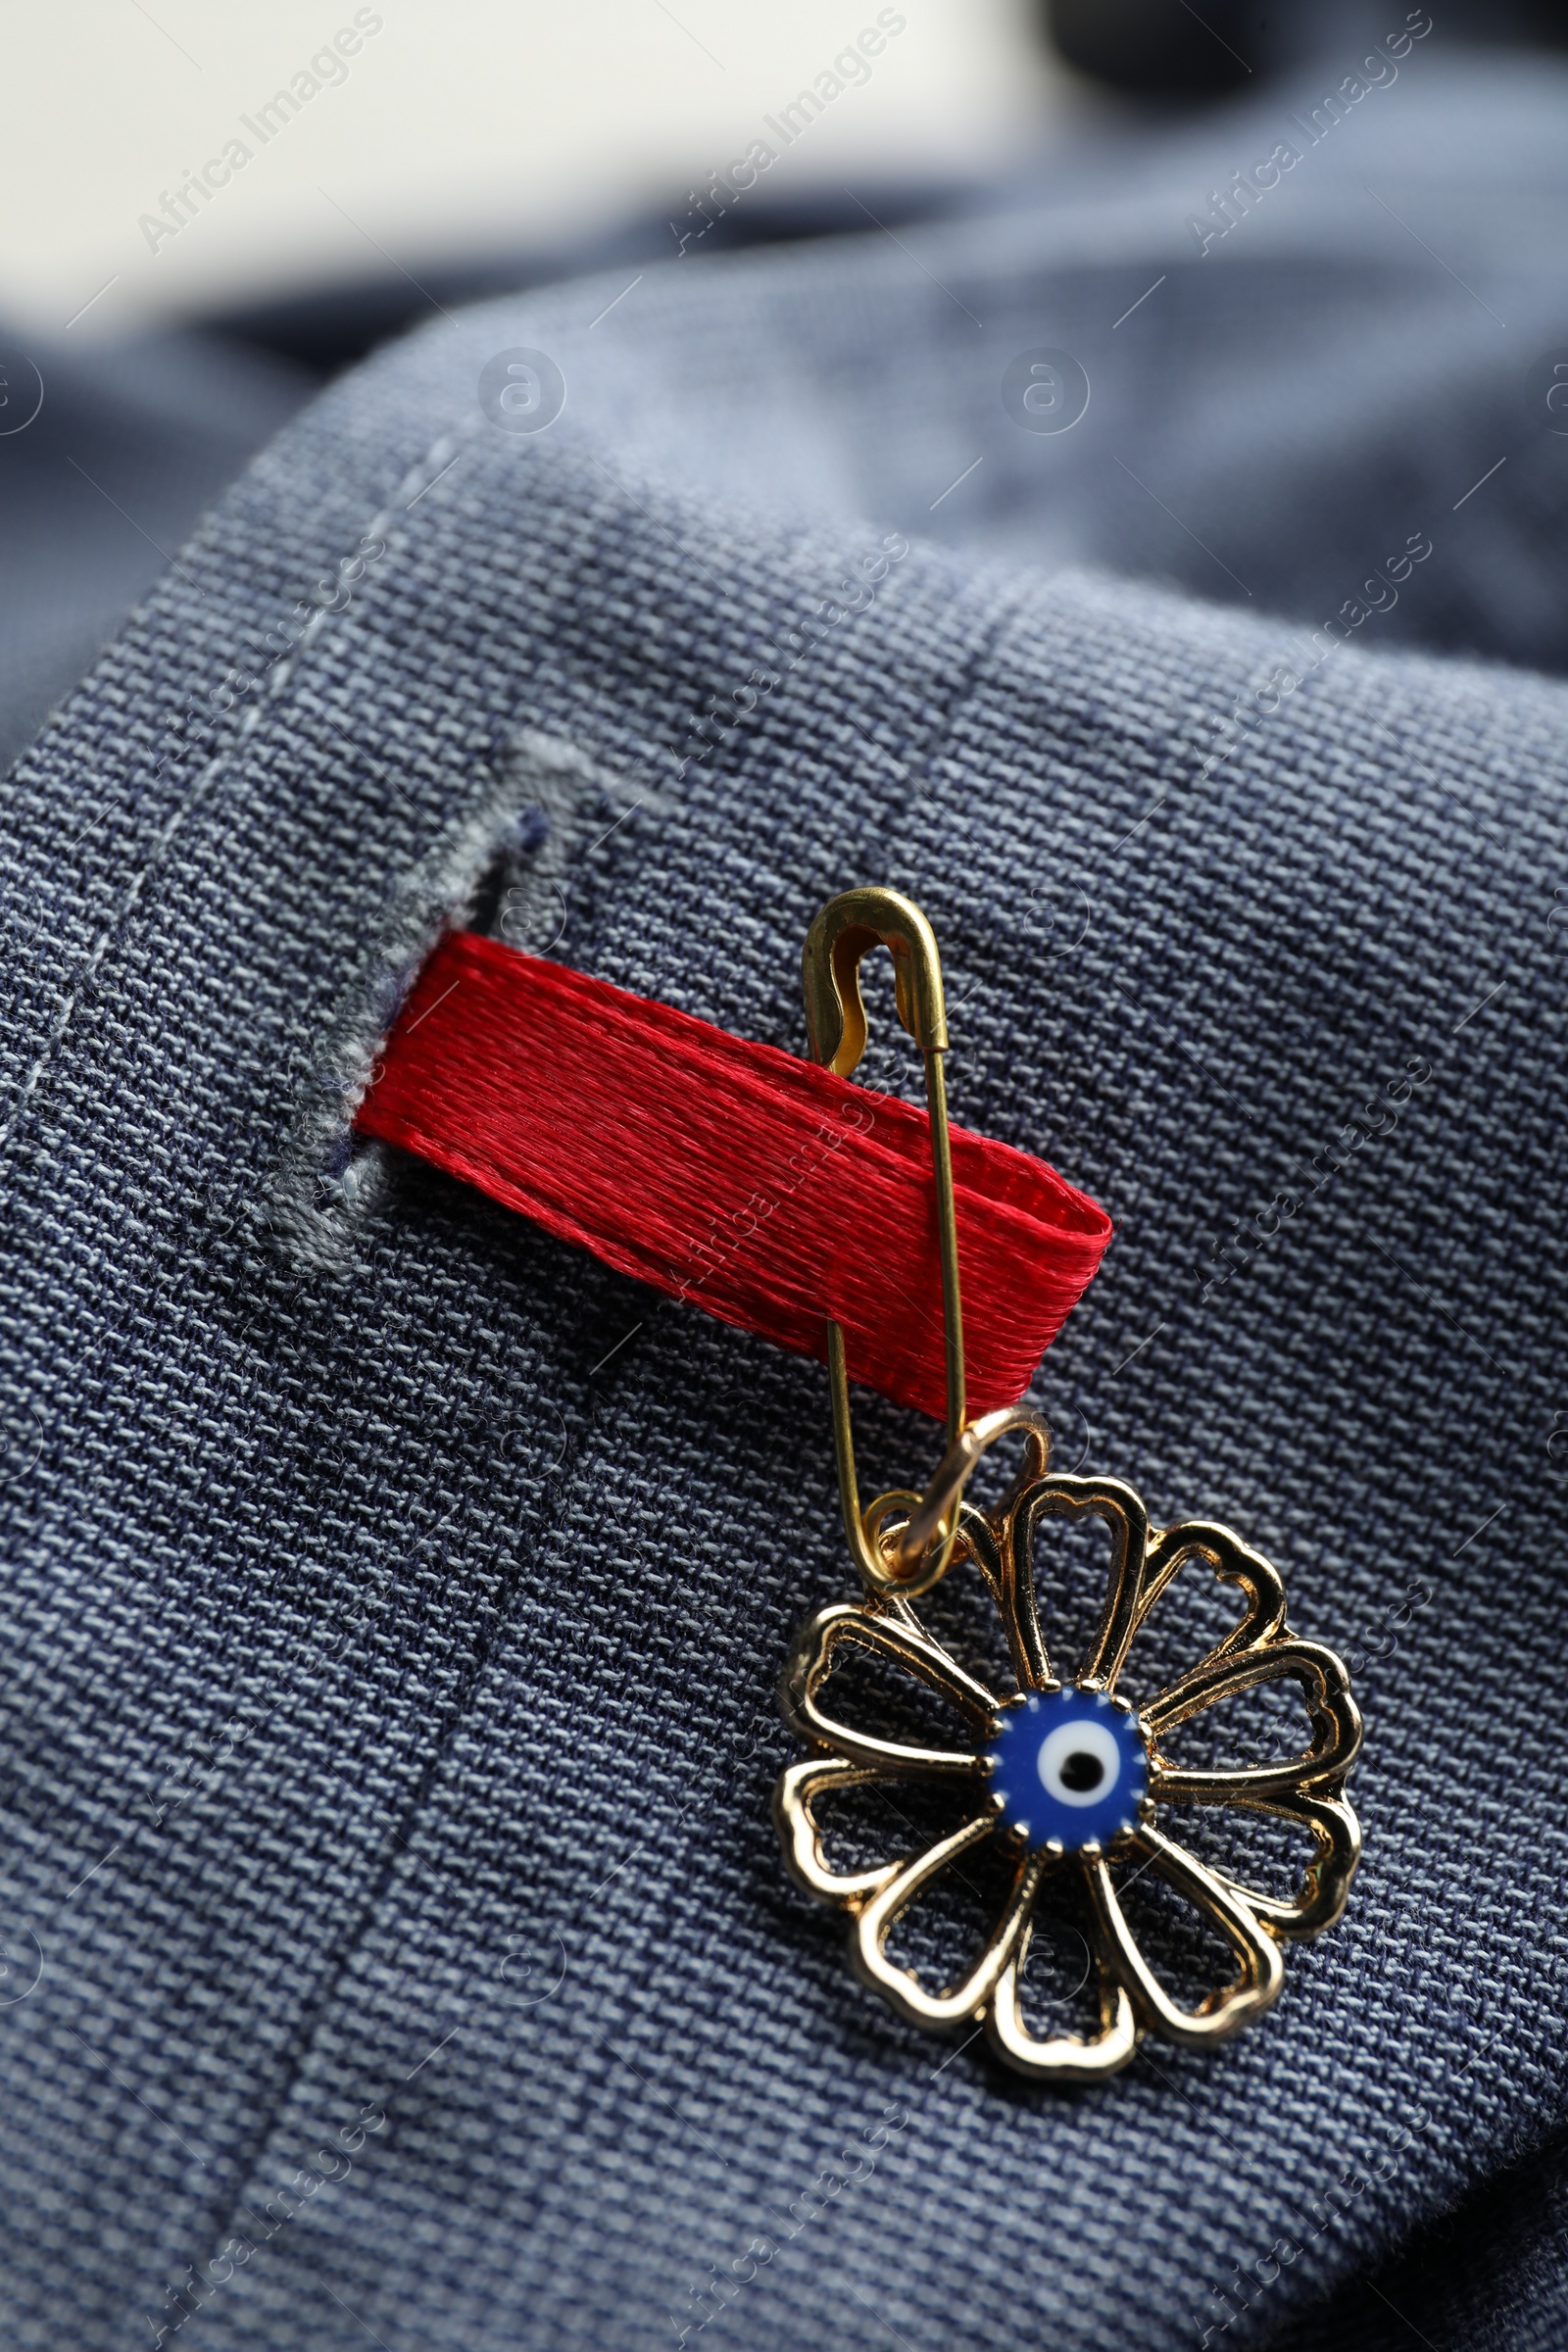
(398, 1945)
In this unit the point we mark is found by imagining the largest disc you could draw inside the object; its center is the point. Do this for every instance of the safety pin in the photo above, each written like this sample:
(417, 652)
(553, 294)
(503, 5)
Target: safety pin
(911, 1558)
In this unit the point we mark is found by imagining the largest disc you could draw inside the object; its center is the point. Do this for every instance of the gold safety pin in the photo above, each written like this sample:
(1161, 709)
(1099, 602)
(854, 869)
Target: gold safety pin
(908, 1560)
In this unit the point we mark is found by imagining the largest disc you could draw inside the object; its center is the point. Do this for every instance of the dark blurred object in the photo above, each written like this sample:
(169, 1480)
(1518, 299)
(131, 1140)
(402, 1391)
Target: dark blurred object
(1155, 47)
(1167, 49)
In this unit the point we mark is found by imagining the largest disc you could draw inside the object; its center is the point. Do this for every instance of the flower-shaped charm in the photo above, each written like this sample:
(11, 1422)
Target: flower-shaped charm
(1072, 1778)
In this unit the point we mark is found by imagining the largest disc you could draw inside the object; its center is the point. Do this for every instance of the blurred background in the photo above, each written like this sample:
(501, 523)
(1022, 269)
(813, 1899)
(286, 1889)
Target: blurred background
(211, 210)
(456, 135)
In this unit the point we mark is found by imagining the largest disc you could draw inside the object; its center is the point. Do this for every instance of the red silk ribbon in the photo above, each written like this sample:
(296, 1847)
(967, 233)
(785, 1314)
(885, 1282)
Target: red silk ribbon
(764, 1190)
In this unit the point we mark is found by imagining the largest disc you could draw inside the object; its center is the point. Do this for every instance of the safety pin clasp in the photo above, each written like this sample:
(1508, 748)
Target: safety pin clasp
(909, 1559)
(848, 928)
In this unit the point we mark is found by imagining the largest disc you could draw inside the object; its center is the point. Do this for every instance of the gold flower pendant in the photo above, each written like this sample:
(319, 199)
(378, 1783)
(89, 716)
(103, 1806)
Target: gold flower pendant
(1072, 1778)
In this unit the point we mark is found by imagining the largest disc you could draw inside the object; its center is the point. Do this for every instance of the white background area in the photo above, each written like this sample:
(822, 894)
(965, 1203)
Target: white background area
(462, 127)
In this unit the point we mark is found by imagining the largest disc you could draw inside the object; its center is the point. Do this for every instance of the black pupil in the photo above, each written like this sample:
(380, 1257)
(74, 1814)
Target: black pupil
(1082, 1771)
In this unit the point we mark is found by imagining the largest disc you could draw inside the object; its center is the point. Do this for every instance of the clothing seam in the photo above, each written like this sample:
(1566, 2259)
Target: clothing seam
(279, 678)
(305, 2040)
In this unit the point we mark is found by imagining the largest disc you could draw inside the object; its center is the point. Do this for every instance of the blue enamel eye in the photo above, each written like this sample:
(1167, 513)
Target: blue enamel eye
(1070, 1768)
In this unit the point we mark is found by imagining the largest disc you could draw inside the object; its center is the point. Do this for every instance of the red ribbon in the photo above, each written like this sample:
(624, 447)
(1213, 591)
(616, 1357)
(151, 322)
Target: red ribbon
(764, 1190)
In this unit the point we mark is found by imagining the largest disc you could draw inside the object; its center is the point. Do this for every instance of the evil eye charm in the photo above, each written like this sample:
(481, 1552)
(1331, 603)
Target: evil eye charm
(1069, 1769)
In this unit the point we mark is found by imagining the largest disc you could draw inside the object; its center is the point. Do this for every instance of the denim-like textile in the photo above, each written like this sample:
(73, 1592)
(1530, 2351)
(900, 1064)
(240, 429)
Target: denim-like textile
(395, 1599)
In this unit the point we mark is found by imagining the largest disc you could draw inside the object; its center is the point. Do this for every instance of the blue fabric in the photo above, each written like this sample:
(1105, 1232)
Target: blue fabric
(124, 447)
(394, 1599)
